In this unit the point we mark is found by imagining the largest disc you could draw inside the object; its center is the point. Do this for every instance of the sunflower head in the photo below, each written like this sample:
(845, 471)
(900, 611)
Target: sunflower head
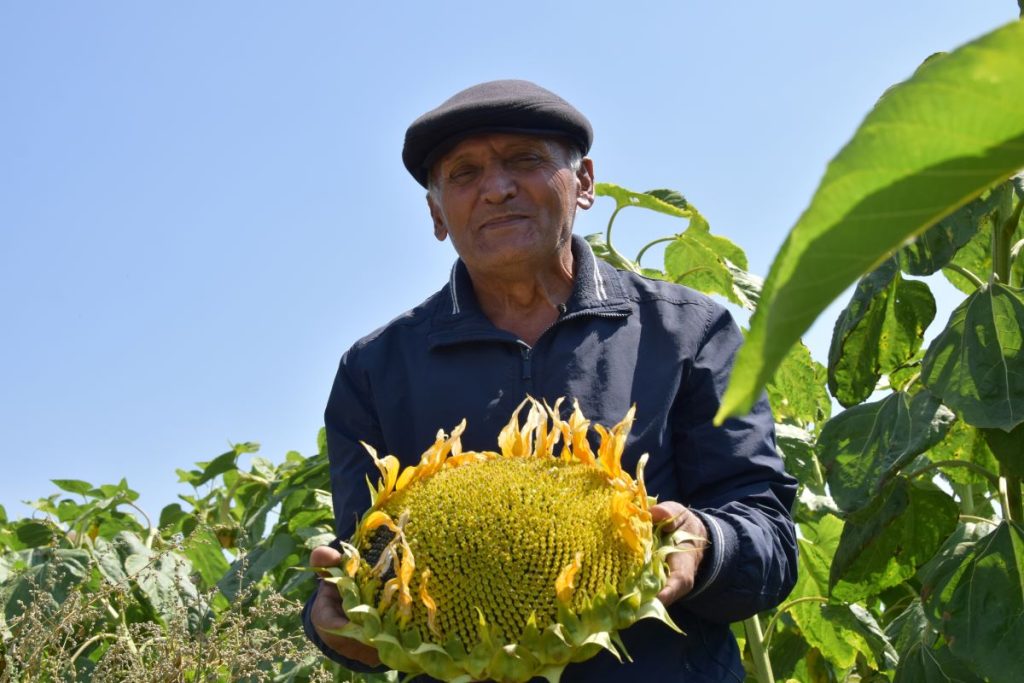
(505, 564)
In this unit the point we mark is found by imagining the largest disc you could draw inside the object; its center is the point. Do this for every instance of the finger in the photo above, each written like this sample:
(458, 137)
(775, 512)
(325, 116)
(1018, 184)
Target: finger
(678, 583)
(324, 556)
(666, 510)
(327, 612)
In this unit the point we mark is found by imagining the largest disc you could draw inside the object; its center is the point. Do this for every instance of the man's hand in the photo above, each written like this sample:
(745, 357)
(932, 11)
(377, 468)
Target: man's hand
(682, 565)
(327, 613)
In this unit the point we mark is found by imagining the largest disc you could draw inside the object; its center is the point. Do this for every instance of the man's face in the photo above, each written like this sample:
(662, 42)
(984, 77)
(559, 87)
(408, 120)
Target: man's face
(508, 200)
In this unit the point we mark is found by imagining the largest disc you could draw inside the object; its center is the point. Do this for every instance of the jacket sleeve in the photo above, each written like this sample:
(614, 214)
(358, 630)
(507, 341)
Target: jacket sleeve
(733, 477)
(349, 419)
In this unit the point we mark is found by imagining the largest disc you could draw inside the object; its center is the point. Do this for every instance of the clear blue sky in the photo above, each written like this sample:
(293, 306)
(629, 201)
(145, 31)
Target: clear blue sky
(202, 205)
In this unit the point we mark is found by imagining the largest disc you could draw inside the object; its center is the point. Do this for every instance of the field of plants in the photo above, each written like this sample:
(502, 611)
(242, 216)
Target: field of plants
(910, 508)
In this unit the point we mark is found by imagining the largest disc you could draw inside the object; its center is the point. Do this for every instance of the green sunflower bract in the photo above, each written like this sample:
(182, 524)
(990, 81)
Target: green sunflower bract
(505, 565)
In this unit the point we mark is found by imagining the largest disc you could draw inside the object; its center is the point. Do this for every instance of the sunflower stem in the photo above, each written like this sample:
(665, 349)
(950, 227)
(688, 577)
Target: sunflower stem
(755, 639)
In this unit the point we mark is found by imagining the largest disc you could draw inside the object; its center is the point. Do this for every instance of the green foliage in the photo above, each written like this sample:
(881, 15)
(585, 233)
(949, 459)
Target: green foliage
(911, 550)
(930, 145)
(862, 448)
(976, 365)
(212, 592)
(978, 609)
(878, 332)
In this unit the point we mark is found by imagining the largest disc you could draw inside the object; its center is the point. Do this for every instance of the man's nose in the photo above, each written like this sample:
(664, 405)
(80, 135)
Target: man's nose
(497, 185)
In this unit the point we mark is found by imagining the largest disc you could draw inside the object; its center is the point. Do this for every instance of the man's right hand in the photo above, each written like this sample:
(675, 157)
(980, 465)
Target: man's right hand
(327, 613)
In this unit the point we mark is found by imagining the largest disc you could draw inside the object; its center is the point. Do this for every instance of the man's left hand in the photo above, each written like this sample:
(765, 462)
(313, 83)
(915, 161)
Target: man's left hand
(682, 565)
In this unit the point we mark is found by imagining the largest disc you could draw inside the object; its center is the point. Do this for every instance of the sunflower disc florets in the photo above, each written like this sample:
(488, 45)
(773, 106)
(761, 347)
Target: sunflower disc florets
(505, 565)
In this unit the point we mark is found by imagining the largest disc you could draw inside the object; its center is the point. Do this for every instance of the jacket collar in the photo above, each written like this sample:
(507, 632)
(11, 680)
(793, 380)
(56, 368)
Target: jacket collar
(597, 289)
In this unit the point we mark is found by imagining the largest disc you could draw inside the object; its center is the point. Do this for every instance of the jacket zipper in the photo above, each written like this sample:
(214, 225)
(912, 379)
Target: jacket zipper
(527, 355)
(526, 351)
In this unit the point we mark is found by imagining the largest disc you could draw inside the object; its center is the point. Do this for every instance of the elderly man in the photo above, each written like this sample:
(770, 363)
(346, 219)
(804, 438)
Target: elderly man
(528, 309)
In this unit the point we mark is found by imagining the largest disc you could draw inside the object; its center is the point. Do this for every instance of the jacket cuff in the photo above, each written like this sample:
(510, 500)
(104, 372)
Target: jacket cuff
(333, 655)
(721, 549)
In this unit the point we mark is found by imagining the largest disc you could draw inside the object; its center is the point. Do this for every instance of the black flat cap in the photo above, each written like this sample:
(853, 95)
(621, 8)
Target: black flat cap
(496, 106)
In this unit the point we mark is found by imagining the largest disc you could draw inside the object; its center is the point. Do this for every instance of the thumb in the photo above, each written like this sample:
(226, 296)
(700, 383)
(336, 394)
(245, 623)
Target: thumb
(324, 556)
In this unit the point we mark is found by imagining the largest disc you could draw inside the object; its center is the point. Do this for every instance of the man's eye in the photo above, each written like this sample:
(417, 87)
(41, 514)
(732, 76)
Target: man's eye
(462, 174)
(525, 160)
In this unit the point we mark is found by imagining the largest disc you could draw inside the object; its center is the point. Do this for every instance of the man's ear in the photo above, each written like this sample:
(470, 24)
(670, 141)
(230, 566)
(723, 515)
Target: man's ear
(585, 178)
(440, 231)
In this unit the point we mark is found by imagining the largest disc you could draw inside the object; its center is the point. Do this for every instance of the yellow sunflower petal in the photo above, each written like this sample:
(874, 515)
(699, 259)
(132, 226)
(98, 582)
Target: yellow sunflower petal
(429, 603)
(508, 438)
(566, 581)
(376, 519)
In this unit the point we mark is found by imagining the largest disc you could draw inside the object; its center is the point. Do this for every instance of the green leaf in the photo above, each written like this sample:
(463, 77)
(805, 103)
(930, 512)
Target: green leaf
(901, 377)
(976, 364)
(884, 543)
(700, 231)
(250, 568)
(204, 552)
(983, 610)
(864, 446)
(817, 544)
(673, 197)
(55, 571)
(867, 634)
(171, 516)
(707, 263)
(691, 263)
(930, 145)
(964, 442)
(935, 247)
(975, 255)
(662, 201)
(922, 657)
(34, 534)
(879, 330)
(1007, 448)
(746, 287)
(797, 448)
(163, 580)
(942, 569)
(73, 485)
(797, 392)
(224, 462)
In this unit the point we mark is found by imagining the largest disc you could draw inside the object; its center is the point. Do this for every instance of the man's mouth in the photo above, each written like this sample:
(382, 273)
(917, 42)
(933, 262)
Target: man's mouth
(503, 221)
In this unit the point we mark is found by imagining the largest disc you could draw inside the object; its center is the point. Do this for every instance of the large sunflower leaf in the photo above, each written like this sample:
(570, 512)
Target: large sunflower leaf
(966, 443)
(879, 330)
(867, 634)
(863, 446)
(50, 575)
(983, 609)
(700, 231)
(883, 544)
(939, 244)
(797, 392)
(976, 364)
(923, 658)
(947, 564)
(991, 209)
(930, 145)
(817, 543)
(690, 262)
(1008, 448)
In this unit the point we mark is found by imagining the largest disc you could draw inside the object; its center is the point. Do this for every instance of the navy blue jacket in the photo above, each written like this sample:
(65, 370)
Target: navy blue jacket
(622, 339)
